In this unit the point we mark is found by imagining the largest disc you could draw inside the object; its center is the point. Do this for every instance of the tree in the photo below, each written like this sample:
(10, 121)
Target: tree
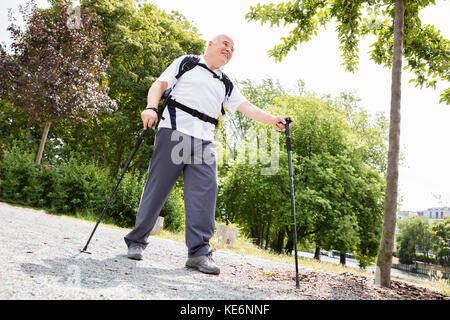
(141, 41)
(384, 261)
(370, 148)
(337, 194)
(234, 127)
(400, 33)
(414, 235)
(56, 69)
(441, 247)
(406, 251)
(261, 95)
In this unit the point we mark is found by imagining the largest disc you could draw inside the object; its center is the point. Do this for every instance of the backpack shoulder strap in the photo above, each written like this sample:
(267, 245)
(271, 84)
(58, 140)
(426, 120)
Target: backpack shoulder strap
(188, 63)
(228, 84)
(191, 61)
(228, 88)
(226, 81)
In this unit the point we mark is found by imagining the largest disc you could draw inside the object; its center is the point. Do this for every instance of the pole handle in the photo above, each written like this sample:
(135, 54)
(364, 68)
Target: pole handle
(288, 133)
(288, 120)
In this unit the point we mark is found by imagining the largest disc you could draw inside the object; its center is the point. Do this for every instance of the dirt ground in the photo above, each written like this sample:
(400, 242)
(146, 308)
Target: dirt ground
(333, 286)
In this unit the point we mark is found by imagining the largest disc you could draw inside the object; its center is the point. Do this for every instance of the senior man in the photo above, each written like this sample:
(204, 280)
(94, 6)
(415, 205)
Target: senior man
(190, 114)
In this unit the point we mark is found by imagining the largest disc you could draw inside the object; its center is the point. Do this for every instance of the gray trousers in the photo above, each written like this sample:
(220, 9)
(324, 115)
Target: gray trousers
(177, 153)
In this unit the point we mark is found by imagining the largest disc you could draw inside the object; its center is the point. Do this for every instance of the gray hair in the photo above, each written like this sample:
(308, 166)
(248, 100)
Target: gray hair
(216, 38)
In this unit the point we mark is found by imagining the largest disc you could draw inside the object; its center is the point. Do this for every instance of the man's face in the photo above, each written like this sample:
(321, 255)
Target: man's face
(222, 49)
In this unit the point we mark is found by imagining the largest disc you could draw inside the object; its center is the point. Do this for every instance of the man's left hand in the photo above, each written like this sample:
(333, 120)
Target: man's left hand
(280, 123)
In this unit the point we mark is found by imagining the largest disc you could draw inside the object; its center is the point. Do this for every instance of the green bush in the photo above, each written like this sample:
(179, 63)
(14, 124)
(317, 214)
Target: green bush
(81, 186)
(80, 189)
(173, 216)
(18, 175)
(125, 203)
(406, 251)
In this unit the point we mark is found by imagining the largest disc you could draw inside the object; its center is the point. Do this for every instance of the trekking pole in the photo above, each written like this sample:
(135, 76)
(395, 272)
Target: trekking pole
(136, 147)
(289, 151)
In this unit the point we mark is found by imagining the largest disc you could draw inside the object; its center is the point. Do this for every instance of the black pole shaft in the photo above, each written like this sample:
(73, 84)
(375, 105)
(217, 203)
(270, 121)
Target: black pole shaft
(291, 177)
(136, 147)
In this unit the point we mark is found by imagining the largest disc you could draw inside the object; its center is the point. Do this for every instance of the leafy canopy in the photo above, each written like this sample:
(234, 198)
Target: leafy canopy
(426, 51)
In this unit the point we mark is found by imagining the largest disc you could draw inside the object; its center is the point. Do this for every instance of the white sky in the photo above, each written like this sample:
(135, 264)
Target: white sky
(425, 123)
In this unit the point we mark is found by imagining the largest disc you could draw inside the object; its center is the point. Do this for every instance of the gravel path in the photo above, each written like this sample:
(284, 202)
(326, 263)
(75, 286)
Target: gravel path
(40, 259)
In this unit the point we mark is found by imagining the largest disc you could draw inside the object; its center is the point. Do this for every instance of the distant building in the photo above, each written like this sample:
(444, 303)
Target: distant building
(430, 213)
(435, 213)
(406, 214)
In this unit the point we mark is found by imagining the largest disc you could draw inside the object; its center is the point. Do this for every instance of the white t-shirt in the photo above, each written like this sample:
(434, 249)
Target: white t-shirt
(197, 89)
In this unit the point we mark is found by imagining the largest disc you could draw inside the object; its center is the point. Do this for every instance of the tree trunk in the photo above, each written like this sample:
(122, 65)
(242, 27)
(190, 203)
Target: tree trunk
(261, 236)
(43, 141)
(255, 235)
(342, 258)
(384, 260)
(280, 240)
(289, 246)
(267, 238)
(290, 241)
(317, 253)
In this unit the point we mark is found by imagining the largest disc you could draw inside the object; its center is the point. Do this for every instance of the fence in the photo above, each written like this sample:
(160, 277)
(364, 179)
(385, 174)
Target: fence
(427, 272)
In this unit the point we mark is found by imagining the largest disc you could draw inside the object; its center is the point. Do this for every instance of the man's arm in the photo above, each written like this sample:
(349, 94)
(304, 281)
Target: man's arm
(150, 117)
(255, 113)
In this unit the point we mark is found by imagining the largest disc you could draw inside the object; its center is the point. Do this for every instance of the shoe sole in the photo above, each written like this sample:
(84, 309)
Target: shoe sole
(195, 267)
(135, 257)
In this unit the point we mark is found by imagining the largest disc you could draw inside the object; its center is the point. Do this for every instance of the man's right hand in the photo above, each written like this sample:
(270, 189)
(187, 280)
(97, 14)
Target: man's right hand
(149, 118)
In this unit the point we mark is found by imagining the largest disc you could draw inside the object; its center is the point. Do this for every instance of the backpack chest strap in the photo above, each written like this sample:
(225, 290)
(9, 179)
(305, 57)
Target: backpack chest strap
(195, 113)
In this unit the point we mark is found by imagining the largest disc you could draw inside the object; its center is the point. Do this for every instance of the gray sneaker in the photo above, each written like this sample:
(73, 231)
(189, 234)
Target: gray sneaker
(203, 264)
(135, 253)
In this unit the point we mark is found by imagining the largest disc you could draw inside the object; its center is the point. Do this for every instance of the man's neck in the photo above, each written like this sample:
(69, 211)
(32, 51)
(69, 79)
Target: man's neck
(210, 62)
